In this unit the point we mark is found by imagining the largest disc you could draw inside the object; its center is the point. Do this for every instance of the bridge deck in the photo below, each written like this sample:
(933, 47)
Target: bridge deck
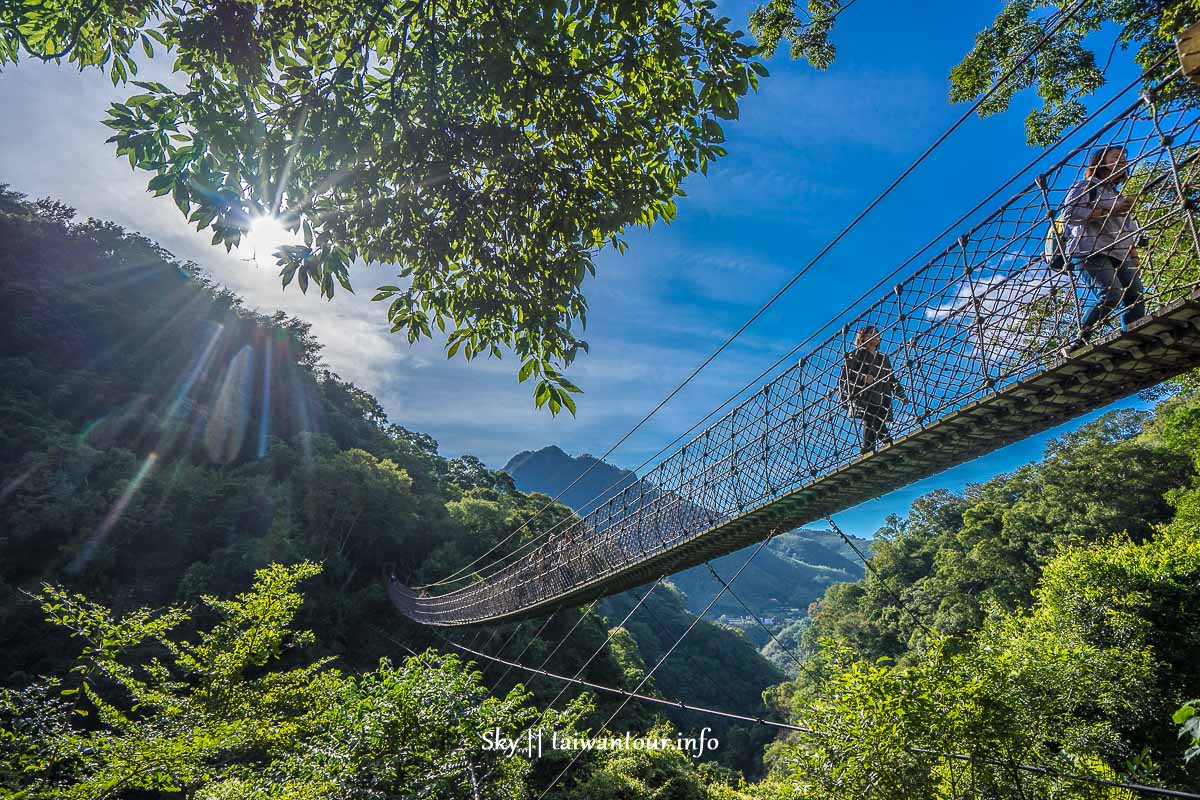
(1153, 350)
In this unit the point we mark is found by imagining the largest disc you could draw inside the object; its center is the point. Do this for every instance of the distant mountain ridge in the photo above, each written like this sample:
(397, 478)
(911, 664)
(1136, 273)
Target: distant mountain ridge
(550, 470)
(791, 572)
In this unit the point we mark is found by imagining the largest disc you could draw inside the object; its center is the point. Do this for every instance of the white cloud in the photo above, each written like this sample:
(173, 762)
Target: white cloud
(1005, 309)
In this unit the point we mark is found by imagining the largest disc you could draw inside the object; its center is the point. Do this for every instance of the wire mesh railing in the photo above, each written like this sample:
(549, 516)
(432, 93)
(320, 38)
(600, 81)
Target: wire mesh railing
(1108, 232)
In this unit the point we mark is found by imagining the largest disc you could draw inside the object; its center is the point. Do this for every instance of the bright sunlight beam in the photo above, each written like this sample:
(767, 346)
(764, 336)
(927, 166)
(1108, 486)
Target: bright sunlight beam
(266, 234)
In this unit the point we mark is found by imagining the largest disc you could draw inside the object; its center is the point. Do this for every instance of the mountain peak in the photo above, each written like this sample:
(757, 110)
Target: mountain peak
(549, 452)
(551, 470)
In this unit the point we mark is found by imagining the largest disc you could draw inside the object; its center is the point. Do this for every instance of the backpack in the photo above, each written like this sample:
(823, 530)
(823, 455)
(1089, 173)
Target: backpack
(1054, 255)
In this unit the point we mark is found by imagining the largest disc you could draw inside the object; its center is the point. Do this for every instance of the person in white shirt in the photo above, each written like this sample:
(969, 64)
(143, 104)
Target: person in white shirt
(1101, 238)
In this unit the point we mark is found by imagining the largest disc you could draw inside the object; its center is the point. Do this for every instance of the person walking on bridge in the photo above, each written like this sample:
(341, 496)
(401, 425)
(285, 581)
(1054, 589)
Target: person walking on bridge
(867, 386)
(1102, 238)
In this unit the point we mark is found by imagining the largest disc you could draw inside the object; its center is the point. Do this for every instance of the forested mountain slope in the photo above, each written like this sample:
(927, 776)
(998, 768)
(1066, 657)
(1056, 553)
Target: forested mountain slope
(160, 442)
(1051, 615)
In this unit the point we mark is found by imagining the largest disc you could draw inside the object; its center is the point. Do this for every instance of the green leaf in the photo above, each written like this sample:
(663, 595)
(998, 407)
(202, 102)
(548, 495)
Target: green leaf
(180, 195)
(161, 183)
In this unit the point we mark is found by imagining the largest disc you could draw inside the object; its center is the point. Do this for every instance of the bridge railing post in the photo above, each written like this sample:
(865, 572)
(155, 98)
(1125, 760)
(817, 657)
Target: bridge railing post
(1186, 204)
(801, 455)
(796, 422)
(977, 313)
(706, 470)
(734, 451)
(1060, 251)
(682, 518)
(766, 442)
(828, 450)
(837, 401)
(615, 556)
(916, 375)
(661, 502)
(636, 531)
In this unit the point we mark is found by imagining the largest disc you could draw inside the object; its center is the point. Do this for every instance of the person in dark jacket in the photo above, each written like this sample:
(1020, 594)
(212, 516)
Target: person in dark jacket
(868, 386)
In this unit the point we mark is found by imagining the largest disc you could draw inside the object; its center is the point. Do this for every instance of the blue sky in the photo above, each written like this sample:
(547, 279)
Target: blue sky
(811, 149)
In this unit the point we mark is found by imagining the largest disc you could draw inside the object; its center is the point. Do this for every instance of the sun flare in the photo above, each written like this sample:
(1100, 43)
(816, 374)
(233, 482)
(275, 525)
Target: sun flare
(265, 236)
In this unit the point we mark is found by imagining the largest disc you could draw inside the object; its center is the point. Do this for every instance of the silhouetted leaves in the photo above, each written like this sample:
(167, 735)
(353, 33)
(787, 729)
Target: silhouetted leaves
(486, 150)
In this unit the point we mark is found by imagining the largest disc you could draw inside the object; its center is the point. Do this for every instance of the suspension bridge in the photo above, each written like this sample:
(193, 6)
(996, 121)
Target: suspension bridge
(990, 340)
(978, 337)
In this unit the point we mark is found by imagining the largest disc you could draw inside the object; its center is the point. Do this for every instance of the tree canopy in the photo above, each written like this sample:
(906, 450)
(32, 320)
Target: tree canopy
(1045, 617)
(222, 714)
(486, 150)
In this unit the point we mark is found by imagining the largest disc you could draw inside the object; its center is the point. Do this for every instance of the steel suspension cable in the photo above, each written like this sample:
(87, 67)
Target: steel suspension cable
(608, 638)
(506, 642)
(634, 695)
(1054, 28)
(917, 618)
(494, 633)
(650, 673)
(528, 644)
(563, 640)
(795, 659)
(541, 670)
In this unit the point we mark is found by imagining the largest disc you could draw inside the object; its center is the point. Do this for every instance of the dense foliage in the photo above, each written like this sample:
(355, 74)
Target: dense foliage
(1047, 617)
(504, 142)
(954, 556)
(161, 446)
(219, 715)
(150, 711)
(1083, 683)
(160, 443)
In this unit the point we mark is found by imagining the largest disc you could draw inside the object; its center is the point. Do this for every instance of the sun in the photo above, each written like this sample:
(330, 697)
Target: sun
(265, 236)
